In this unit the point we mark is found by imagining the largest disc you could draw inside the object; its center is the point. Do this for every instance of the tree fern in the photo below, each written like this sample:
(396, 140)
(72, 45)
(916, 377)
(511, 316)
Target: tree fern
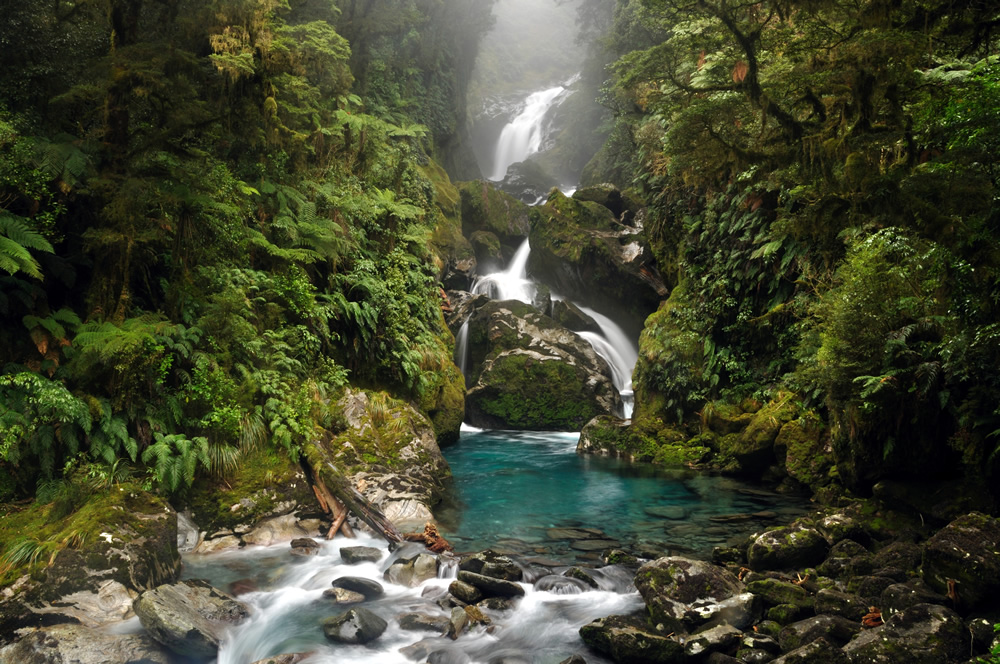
(16, 238)
(175, 459)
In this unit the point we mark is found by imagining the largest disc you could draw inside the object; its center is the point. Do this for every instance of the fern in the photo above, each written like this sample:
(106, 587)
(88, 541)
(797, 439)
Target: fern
(175, 459)
(16, 238)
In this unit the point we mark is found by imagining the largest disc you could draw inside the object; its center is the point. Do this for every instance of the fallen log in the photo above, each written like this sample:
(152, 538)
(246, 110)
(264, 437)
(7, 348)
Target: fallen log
(359, 506)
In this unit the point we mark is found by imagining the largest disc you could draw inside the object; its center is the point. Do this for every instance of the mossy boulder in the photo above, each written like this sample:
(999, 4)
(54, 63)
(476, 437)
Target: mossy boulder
(753, 448)
(267, 483)
(486, 208)
(125, 539)
(571, 317)
(775, 592)
(443, 400)
(805, 446)
(623, 205)
(966, 554)
(454, 256)
(788, 547)
(667, 446)
(922, 634)
(528, 372)
(388, 451)
(489, 253)
(670, 585)
(584, 253)
(628, 640)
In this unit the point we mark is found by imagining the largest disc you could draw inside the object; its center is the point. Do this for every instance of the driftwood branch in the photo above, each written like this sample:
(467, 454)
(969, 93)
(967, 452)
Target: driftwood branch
(340, 489)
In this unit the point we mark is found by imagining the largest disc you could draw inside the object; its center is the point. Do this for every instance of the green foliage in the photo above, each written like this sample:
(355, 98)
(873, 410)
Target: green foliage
(174, 459)
(16, 238)
(994, 654)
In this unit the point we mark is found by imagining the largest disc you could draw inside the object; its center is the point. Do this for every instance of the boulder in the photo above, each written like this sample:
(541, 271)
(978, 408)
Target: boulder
(486, 208)
(304, 547)
(819, 651)
(489, 254)
(423, 622)
(413, 571)
(491, 563)
(354, 555)
(846, 605)
(388, 450)
(753, 448)
(490, 586)
(569, 316)
(465, 592)
(714, 639)
(922, 634)
(669, 585)
(188, 617)
(527, 372)
(964, 557)
(370, 589)
(835, 629)
(789, 547)
(358, 625)
(77, 644)
(343, 596)
(901, 596)
(741, 611)
(458, 622)
(627, 640)
(583, 252)
(774, 592)
(625, 439)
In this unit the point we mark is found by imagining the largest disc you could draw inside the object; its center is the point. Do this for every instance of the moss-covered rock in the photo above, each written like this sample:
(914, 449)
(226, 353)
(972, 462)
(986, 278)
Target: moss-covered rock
(489, 253)
(805, 445)
(453, 255)
(387, 450)
(922, 634)
(753, 447)
(485, 208)
(775, 592)
(580, 249)
(443, 400)
(669, 585)
(527, 372)
(788, 547)
(627, 640)
(965, 554)
(123, 537)
(267, 483)
(614, 437)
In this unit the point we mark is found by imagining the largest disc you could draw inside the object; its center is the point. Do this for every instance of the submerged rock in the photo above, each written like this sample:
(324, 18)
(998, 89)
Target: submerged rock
(355, 626)
(188, 617)
(353, 555)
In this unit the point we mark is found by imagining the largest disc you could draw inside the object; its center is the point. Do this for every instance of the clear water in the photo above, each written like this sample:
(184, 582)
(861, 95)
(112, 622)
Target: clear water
(519, 492)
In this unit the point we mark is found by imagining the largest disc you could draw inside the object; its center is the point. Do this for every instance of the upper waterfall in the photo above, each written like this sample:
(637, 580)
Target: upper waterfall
(523, 136)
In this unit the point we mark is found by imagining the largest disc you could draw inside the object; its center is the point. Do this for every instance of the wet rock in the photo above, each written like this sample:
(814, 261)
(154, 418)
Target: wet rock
(836, 603)
(457, 623)
(411, 573)
(833, 628)
(423, 622)
(841, 526)
(486, 208)
(922, 634)
(575, 659)
(274, 530)
(869, 587)
(784, 614)
(819, 651)
(561, 585)
(594, 544)
(581, 575)
(343, 596)
(569, 316)
(304, 546)
(759, 641)
(718, 638)
(722, 555)
(496, 604)
(242, 587)
(466, 592)
(847, 558)
(358, 625)
(672, 512)
(188, 617)
(901, 596)
(489, 254)
(218, 544)
(774, 592)
(353, 555)
(370, 589)
(491, 563)
(788, 547)
(448, 656)
(77, 644)
(567, 534)
(965, 552)
(741, 611)
(491, 587)
(669, 585)
(900, 555)
(628, 641)
(288, 658)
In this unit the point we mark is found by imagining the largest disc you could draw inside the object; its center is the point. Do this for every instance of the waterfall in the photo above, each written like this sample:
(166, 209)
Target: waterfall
(618, 351)
(512, 283)
(462, 347)
(523, 136)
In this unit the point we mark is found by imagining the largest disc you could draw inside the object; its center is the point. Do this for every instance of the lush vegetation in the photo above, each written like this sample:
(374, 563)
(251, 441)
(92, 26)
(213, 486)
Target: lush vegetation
(823, 184)
(213, 217)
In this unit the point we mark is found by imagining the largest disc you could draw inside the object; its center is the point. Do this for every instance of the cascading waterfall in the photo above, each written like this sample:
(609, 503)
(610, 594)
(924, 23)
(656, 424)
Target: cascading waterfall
(523, 136)
(462, 347)
(617, 350)
(510, 284)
